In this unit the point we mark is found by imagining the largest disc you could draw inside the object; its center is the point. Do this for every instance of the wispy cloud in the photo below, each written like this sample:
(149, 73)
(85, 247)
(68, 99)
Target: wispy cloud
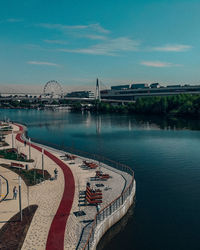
(158, 64)
(95, 37)
(90, 27)
(42, 63)
(11, 20)
(172, 48)
(55, 41)
(110, 47)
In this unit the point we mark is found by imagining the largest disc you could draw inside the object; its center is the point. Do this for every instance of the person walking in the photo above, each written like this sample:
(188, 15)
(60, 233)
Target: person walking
(98, 208)
(15, 193)
(55, 173)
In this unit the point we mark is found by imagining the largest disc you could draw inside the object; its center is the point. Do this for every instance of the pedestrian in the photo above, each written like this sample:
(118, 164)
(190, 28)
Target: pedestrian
(98, 208)
(25, 143)
(15, 193)
(56, 173)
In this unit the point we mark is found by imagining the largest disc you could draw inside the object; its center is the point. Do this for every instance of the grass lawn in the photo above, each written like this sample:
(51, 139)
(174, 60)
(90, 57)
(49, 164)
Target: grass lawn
(11, 154)
(30, 177)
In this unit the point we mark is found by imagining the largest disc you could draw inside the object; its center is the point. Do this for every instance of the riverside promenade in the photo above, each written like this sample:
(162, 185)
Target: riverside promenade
(62, 220)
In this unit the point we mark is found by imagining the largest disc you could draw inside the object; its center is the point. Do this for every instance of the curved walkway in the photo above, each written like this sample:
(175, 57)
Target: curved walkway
(56, 234)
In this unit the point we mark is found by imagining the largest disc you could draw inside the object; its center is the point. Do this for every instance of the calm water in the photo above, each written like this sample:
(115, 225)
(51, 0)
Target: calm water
(165, 155)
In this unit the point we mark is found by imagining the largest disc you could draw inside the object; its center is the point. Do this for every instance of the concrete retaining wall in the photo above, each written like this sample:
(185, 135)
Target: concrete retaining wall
(108, 222)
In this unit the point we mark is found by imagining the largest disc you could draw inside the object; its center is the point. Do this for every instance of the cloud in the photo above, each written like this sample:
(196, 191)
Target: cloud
(42, 63)
(95, 37)
(11, 20)
(96, 27)
(158, 64)
(173, 48)
(55, 41)
(110, 47)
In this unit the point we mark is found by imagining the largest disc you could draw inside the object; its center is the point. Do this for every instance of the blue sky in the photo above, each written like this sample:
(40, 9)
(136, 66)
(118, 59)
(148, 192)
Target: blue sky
(118, 41)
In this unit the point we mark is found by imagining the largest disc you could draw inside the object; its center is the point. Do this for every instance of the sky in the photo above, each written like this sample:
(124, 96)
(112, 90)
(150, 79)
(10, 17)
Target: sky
(118, 41)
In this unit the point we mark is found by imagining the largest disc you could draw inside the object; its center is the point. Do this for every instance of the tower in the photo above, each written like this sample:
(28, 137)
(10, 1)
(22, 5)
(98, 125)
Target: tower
(97, 93)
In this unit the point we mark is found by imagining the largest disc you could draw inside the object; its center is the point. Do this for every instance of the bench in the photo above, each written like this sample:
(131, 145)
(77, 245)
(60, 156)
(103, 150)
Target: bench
(16, 165)
(100, 175)
(70, 157)
(93, 201)
(23, 156)
(91, 165)
(11, 150)
(93, 192)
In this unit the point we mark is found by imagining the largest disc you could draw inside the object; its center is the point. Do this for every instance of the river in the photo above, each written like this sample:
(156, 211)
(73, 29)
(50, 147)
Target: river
(165, 155)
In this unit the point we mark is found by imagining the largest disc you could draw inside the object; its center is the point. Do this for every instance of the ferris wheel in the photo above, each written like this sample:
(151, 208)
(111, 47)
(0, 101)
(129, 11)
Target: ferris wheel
(53, 88)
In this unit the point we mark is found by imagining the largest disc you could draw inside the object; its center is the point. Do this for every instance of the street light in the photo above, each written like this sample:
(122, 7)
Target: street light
(20, 199)
(0, 188)
(12, 139)
(29, 148)
(43, 163)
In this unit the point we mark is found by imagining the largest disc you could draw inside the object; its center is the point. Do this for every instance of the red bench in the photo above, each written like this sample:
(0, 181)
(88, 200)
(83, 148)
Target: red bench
(99, 197)
(23, 156)
(93, 196)
(91, 165)
(93, 201)
(70, 157)
(11, 150)
(100, 175)
(93, 192)
(17, 165)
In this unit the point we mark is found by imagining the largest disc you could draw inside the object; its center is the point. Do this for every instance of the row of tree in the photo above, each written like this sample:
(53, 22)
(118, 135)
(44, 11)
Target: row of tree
(183, 104)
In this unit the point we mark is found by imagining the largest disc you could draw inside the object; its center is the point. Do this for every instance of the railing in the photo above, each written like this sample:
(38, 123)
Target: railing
(1, 188)
(112, 206)
(107, 211)
(98, 158)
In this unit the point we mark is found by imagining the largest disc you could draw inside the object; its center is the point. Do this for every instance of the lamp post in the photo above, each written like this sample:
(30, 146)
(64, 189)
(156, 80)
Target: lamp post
(43, 162)
(20, 199)
(12, 139)
(29, 140)
(0, 188)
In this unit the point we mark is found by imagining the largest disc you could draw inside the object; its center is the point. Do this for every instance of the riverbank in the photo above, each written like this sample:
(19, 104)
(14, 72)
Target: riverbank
(178, 105)
(181, 105)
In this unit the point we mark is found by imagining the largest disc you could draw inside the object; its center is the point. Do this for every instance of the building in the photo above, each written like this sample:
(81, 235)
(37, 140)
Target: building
(155, 85)
(139, 86)
(120, 87)
(81, 94)
(145, 90)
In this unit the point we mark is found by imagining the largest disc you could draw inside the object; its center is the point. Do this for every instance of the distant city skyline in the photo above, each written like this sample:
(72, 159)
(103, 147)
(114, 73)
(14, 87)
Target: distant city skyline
(119, 42)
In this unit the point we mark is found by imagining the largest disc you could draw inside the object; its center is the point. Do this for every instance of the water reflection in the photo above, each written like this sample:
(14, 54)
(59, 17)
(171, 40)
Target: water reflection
(52, 120)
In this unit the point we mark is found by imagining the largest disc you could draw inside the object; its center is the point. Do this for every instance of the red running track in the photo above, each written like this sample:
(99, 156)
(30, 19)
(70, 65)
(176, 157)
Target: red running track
(55, 240)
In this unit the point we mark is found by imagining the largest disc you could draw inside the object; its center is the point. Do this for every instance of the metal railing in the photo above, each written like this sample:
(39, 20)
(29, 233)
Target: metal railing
(112, 206)
(7, 186)
(107, 211)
